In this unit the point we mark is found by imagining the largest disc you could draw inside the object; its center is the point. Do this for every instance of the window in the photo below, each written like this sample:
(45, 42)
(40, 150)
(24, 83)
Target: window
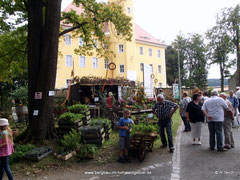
(158, 53)
(120, 48)
(151, 66)
(160, 85)
(141, 50)
(141, 67)
(67, 39)
(68, 82)
(69, 61)
(159, 69)
(82, 62)
(106, 63)
(128, 10)
(150, 52)
(81, 42)
(95, 62)
(121, 67)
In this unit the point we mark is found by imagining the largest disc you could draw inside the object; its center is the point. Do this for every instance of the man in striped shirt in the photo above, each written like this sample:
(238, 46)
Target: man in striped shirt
(164, 110)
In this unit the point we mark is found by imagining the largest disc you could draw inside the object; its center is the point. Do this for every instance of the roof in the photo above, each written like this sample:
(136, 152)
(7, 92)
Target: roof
(140, 34)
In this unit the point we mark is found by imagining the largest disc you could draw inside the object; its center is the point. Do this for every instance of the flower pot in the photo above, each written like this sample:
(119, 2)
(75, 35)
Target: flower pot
(21, 112)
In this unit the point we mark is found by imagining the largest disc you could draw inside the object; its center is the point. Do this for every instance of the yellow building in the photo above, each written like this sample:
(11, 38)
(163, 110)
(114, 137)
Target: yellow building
(132, 58)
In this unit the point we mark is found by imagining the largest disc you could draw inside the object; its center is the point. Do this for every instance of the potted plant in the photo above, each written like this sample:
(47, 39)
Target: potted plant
(86, 151)
(20, 97)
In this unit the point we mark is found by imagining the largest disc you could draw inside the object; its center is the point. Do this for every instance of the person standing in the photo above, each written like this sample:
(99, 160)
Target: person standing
(235, 103)
(227, 124)
(6, 148)
(214, 108)
(164, 110)
(196, 118)
(183, 106)
(238, 97)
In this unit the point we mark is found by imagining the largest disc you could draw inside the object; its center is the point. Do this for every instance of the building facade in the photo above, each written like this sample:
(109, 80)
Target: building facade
(132, 58)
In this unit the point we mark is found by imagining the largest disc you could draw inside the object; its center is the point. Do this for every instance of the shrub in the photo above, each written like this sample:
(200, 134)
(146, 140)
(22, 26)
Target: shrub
(69, 117)
(100, 122)
(20, 152)
(144, 128)
(87, 151)
(78, 108)
(70, 141)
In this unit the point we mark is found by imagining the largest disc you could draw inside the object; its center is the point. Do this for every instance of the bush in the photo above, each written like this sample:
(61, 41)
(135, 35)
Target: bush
(78, 108)
(70, 141)
(20, 152)
(69, 117)
(100, 122)
(20, 95)
(144, 128)
(87, 151)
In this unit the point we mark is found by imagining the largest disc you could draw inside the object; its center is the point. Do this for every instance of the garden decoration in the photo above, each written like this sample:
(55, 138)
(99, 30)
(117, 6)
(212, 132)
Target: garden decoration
(142, 139)
(86, 151)
(105, 123)
(112, 67)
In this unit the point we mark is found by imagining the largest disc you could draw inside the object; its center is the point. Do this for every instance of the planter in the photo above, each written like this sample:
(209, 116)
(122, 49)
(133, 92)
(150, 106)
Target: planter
(65, 156)
(21, 112)
(38, 154)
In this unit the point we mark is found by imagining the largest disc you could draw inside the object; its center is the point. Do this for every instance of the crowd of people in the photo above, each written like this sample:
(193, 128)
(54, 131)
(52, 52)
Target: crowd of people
(219, 111)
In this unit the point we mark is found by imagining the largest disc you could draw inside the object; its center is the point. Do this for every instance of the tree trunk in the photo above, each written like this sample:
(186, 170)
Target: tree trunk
(237, 44)
(43, 53)
(222, 77)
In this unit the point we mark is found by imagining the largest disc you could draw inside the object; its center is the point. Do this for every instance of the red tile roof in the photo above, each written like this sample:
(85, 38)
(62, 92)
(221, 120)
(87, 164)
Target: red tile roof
(140, 34)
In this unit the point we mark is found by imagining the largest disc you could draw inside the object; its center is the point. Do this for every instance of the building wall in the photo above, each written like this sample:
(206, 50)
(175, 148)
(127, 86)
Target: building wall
(130, 57)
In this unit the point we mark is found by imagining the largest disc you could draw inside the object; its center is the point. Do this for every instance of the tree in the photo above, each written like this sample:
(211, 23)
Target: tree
(43, 35)
(230, 18)
(219, 47)
(193, 63)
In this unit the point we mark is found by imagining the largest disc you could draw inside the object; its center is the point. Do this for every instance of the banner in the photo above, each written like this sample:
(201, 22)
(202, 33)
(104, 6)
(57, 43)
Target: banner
(175, 91)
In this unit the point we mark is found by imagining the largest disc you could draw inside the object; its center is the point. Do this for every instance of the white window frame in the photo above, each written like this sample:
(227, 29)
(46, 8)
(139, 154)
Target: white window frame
(128, 10)
(121, 67)
(82, 61)
(160, 85)
(95, 42)
(151, 66)
(81, 42)
(67, 62)
(150, 51)
(142, 67)
(68, 82)
(159, 69)
(120, 48)
(106, 63)
(158, 53)
(95, 62)
(141, 51)
(68, 39)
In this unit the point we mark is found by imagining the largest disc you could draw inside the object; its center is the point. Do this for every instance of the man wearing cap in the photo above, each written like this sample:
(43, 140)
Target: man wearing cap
(213, 108)
(164, 110)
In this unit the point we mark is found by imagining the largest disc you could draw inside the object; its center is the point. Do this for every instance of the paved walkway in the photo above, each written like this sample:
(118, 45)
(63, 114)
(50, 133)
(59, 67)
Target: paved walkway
(200, 163)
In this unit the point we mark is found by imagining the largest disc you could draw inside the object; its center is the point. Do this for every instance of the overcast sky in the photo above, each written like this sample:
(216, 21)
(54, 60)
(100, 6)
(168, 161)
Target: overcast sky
(165, 19)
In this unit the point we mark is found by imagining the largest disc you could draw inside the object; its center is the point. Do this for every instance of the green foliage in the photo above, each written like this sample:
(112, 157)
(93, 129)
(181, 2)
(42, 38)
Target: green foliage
(20, 152)
(86, 150)
(69, 117)
(144, 128)
(70, 141)
(78, 108)
(100, 122)
(21, 94)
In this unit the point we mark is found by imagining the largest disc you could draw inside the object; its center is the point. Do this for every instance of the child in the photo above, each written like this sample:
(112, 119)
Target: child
(124, 136)
(6, 148)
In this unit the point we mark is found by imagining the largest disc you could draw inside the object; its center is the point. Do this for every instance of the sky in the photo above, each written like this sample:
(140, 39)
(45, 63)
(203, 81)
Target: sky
(165, 19)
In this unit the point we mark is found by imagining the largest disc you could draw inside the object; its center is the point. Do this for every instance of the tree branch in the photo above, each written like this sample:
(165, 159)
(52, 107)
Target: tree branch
(72, 29)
